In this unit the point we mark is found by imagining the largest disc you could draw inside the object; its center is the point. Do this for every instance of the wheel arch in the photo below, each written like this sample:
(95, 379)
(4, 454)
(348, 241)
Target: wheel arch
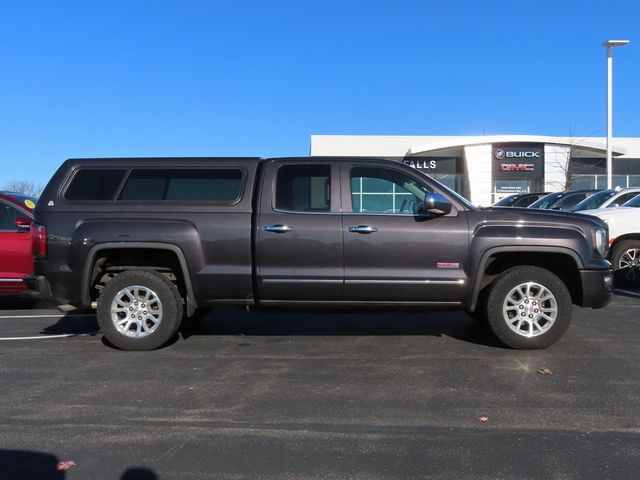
(89, 271)
(622, 238)
(555, 259)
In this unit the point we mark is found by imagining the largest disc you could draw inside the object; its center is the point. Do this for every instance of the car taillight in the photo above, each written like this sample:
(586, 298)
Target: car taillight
(38, 240)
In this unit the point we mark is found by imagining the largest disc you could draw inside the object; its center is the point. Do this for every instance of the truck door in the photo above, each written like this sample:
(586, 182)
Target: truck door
(298, 232)
(392, 251)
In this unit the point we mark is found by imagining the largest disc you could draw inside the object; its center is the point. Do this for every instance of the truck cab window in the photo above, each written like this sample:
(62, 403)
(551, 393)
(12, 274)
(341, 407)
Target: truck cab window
(383, 190)
(304, 188)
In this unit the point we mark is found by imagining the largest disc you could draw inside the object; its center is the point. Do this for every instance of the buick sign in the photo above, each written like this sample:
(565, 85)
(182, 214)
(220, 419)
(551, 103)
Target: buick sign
(512, 153)
(518, 161)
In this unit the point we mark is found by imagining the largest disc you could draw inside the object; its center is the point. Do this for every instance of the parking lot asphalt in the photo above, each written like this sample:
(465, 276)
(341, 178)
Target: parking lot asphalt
(320, 395)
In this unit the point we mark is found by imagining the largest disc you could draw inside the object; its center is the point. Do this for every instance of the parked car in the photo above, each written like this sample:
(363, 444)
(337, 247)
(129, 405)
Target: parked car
(147, 241)
(614, 197)
(624, 240)
(16, 261)
(562, 200)
(521, 200)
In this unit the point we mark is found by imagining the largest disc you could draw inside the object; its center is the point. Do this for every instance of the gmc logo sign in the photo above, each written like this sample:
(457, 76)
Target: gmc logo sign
(517, 167)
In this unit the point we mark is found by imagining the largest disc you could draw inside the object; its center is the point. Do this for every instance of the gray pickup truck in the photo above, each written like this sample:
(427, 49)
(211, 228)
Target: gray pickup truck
(148, 241)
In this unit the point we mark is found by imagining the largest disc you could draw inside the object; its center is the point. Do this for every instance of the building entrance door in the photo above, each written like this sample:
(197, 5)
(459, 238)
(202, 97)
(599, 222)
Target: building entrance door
(504, 188)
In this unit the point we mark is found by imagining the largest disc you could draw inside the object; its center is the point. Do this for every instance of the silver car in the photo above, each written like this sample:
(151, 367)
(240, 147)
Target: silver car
(614, 197)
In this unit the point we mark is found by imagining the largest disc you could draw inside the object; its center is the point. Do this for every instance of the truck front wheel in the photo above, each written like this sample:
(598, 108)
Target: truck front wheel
(139, 310)
(529, 308)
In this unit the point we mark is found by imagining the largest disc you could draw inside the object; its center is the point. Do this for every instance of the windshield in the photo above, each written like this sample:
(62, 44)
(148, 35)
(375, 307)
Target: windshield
(569, 201)
(506, 201)
(454, 194)
(546, 201)
(594, 201)
(634, 202)
(25, 201)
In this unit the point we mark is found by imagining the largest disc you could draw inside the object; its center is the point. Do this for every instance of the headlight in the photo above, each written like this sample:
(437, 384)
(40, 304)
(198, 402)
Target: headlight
(600, 241)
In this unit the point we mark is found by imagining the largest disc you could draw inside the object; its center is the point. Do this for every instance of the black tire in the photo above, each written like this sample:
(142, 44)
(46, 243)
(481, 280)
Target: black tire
(165, 300)
(625, 258)
(526, 334)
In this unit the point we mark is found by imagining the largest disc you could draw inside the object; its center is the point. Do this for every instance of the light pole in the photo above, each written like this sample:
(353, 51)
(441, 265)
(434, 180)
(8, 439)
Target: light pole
(610, 44)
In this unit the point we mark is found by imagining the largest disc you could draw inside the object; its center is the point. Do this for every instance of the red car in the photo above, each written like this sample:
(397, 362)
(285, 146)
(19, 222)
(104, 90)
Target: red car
(16, 260)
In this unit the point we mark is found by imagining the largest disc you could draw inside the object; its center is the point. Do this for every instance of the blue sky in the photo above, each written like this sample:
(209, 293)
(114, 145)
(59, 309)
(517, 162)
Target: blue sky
(207, 78)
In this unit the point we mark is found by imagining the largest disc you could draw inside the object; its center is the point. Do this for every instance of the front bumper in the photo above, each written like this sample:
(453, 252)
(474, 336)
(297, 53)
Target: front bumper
(38, 286)
(597, 288)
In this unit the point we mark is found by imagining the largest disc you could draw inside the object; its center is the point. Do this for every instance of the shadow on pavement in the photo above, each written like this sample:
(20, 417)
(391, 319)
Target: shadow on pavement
(235, 321)
(26, 465)
(21, 303)
(70, 324)
(139, 473)
(29, 465)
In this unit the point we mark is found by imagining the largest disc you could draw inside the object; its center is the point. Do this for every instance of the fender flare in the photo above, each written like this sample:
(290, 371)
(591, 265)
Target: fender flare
(93, 251)
(511, 249)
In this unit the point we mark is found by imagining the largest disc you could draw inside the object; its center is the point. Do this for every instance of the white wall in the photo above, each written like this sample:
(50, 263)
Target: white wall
(556, 163)
(478, 161)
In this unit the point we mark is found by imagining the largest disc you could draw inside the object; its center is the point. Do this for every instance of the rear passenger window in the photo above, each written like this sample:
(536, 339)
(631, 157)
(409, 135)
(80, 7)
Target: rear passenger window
(94, 184)
(222, 185)
(624, 198)
(8, 215)
(304, 188)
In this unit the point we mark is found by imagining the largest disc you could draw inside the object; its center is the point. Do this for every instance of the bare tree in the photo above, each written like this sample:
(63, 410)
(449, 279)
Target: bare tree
(563, 162)
(25, 187)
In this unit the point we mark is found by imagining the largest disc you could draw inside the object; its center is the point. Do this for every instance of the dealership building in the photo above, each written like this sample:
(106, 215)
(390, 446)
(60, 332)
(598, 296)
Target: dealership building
(487, 168)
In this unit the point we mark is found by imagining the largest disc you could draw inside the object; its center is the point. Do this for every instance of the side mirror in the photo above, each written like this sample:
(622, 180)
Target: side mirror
(436, 203)
(23, 223)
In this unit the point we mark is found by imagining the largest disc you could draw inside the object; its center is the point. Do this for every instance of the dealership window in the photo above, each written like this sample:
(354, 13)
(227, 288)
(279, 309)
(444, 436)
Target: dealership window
(592, 173)
(383, 190)
(599, 182)
(452, 180)
(304, 188)
(443, 169)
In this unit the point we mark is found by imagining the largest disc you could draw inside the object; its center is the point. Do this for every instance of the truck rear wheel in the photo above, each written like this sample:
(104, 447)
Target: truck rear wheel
(529, 308)
(139, 310)
(625, 258)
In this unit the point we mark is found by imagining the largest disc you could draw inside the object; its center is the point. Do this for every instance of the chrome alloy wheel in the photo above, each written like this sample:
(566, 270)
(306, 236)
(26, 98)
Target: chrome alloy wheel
(629, 265)
(530, 309)
(136, 311)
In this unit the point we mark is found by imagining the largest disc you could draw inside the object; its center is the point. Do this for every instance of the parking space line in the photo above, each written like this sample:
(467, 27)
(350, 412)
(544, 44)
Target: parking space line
(634, 294)
(60, 315)
(46, 337)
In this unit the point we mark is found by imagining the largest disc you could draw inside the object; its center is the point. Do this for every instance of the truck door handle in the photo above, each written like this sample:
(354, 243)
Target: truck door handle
(363, 229)
(277, 228)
